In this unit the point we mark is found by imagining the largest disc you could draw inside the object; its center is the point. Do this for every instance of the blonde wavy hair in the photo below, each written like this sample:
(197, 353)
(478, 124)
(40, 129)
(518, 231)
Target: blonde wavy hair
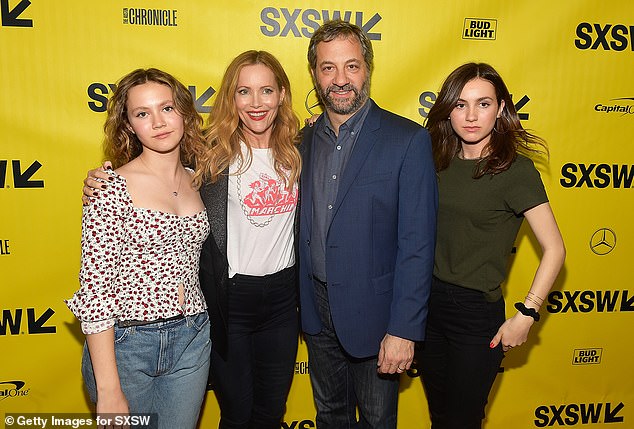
(224, 128)
(121, 145)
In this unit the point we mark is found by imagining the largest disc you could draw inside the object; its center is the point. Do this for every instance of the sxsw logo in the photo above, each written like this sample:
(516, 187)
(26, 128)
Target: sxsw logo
(597, 175)
(11, 16)
(284, 22)
(480, 29)
(587, 356)
(428, 98)
(586, 301)
(12, 389)
(21, 178)
(98, 92)
(604, 36)
(298, 424)
(13, 320)
(574, 414)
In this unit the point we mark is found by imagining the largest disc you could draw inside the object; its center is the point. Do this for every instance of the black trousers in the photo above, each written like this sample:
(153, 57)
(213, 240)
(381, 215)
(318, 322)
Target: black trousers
(458, 366)
(252, 384)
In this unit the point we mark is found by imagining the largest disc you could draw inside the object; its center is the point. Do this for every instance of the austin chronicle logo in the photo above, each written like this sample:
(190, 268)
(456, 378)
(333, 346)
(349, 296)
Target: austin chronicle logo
(603, 241)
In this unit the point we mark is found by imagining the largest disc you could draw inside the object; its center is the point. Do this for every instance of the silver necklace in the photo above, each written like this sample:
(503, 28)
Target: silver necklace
(180, 178)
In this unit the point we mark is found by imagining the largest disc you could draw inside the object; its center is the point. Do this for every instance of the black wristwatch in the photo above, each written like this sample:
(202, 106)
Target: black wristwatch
(530, 312)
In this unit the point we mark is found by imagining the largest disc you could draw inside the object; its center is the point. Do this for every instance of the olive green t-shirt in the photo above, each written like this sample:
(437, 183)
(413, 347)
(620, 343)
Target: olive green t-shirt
(478, 221)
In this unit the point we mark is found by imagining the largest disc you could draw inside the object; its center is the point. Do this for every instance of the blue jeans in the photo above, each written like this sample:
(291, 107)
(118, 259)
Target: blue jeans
(252, 382)
(163, 369)
(457, 365)
(341, 383)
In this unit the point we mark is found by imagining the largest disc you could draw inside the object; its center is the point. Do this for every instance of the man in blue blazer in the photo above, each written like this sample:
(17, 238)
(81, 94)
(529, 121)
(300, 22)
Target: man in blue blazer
(367, 236)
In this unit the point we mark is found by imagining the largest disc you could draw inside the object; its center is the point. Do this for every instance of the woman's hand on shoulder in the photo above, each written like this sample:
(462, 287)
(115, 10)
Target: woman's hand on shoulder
(94, 182)
(311, 121)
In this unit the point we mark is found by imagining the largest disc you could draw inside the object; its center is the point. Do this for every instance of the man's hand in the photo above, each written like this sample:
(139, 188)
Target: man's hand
(92, 186)
(395, 355)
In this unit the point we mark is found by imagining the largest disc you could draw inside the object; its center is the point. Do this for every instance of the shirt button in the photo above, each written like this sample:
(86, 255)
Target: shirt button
(329, 206)
(339, 147)
(334, 177)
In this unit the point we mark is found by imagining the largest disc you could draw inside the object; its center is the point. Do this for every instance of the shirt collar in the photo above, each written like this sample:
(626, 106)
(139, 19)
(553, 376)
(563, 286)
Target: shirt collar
(353, 124)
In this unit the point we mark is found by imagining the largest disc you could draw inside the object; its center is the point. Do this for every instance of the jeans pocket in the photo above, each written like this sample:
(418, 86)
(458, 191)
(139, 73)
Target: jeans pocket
(468, 299)
(120, 334)
(199, 321)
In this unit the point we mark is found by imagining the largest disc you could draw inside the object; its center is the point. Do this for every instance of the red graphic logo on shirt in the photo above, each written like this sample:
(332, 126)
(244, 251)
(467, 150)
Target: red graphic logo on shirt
(270, 196)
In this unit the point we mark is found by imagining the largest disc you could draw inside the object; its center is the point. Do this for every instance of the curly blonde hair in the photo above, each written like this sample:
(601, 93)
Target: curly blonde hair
(224, 129)
(121, 145)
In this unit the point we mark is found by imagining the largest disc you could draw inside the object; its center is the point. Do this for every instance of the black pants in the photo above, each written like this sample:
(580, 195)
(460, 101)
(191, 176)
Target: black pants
(458, 366)
(253, 382)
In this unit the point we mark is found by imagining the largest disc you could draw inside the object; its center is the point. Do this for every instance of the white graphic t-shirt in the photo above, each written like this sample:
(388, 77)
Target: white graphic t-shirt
(260, 215)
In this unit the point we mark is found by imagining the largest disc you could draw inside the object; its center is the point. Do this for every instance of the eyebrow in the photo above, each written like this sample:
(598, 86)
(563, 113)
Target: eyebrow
(479, 99)
(162, 103)
(351, 60)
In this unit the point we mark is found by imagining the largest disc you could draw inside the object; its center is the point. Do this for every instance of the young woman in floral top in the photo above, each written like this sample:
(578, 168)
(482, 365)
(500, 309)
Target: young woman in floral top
(140, 303)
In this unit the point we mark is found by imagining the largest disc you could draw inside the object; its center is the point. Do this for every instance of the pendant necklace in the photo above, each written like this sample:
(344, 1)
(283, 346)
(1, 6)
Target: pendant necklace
(180, 179)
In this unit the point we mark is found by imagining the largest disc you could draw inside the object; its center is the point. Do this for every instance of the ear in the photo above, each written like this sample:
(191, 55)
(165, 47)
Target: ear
(282, 95)
(502, 104)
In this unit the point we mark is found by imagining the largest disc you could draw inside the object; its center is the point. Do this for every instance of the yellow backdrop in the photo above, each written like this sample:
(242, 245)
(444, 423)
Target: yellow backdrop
(568, 65)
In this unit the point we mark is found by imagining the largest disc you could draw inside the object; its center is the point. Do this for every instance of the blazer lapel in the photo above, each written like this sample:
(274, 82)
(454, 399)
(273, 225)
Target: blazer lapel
(306, 180)
(215, 197)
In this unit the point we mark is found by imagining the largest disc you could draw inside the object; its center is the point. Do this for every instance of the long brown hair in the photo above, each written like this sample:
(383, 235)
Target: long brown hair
(508, 136)
(121, 145)
(224, 131)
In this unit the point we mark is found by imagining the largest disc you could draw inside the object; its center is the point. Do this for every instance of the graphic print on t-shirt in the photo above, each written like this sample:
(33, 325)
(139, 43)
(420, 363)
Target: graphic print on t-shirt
(269, 196)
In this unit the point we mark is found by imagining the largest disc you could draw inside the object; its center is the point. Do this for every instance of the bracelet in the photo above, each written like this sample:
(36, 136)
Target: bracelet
(535, 296)
(530, 312)
(534, 301)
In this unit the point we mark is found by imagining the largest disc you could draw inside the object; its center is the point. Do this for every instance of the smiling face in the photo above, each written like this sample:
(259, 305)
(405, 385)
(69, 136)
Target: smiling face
(341, 76)
(152, 116)
(258, 98)
(474, 115)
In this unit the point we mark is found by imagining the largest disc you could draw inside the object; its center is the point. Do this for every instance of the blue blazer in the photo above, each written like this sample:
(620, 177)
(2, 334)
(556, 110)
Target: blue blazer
(380, 243)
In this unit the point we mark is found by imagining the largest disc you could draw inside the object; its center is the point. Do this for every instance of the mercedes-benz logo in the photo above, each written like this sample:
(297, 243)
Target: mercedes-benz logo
(603, 241)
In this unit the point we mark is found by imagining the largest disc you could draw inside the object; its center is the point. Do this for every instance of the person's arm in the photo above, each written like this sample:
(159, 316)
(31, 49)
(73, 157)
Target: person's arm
(417, 205)
(95, 303)
(110, 397)
(514, 331)
(95, 182)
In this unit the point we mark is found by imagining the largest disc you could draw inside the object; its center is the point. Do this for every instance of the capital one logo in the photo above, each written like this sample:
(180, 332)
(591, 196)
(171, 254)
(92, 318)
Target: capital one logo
(12, 389)
(603, 241)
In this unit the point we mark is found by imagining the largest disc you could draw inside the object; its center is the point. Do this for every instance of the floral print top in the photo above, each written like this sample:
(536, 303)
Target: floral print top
(134, 260)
